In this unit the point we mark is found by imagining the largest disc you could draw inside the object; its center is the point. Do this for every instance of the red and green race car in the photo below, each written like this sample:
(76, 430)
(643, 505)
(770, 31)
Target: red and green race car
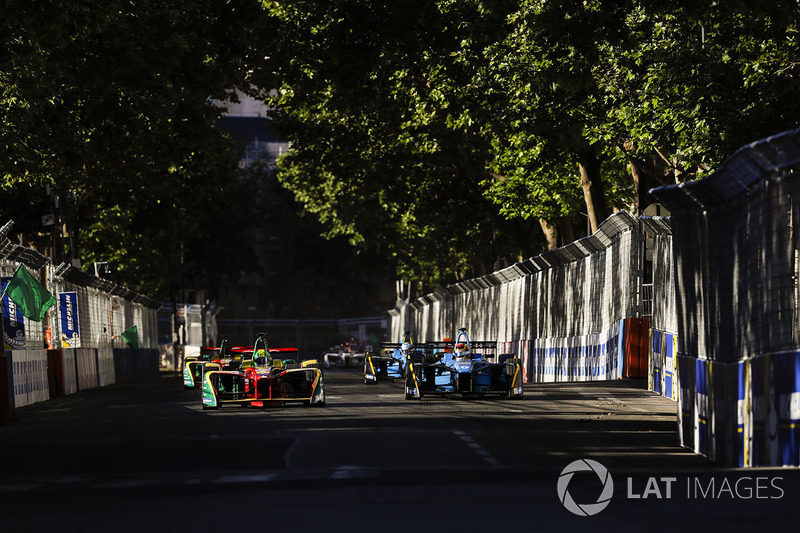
(225, 357)
(196, 365)
(266, 376)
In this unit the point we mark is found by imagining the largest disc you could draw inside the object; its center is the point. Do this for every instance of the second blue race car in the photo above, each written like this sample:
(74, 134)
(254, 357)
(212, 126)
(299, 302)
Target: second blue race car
(464, 367)
(391, 362)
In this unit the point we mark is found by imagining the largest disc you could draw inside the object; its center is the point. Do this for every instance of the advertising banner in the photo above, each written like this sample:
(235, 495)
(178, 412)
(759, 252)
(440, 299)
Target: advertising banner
(70, 331)
(13, 322)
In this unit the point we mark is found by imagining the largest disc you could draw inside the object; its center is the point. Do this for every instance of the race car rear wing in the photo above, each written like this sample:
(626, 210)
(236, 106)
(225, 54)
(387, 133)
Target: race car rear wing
(486, 348)
(390, 346)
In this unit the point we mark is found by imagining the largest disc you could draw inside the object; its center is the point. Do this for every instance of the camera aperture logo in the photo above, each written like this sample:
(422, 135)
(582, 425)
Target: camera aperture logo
(591, 508)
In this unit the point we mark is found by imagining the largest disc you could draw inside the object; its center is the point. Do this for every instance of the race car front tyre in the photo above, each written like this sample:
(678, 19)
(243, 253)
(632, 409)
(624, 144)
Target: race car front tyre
(412, 396)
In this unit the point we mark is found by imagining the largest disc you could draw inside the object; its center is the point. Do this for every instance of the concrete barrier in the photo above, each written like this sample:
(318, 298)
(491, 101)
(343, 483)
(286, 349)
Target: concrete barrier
(5, 390)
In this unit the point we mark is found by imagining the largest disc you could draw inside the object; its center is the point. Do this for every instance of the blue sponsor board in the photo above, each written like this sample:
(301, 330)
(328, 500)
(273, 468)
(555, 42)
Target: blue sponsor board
(13, 322)
(70, 330)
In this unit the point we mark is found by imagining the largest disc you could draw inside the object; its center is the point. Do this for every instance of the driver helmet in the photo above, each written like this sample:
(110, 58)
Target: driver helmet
(406, 347)
(461, 349)
(261, 357)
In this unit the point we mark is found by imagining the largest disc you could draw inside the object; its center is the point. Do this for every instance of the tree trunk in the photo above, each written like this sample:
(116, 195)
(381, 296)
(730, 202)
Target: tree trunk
(550, 234)
(565, 231)
(639, 183)
(592, 186)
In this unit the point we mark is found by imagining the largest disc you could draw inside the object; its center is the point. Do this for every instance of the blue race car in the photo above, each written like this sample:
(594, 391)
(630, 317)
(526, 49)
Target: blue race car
(391, 361)
(468, 368)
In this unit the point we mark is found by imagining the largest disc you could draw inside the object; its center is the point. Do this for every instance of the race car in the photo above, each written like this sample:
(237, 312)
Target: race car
(459, 368)
(195, 366)
(265, 377)
(390, 362)
(231, 357)
(343, 359)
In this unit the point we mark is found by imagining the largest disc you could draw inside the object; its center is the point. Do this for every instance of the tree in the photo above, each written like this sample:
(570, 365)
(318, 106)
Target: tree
(377, 154)
(692, 84)
(110, 104)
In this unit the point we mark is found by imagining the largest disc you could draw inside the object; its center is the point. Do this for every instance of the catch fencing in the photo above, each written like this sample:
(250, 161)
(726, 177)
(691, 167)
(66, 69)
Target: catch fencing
(736, 249)
(570, 314)
(663, 345)
(77, 345)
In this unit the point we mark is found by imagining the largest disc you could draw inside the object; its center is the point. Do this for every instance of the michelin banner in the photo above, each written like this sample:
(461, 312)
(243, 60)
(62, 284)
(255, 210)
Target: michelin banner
(70, 332)
(13, 323)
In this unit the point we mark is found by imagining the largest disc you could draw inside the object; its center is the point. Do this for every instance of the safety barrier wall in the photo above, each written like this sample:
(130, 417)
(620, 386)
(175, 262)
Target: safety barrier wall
(70, 366)
(105, 366)
(6, 401)
(29, 377)
(562, 312)
(592, 357)
(130, 366)
(736, 257)
(662, 371)
(86, 366)
(745, 413)
(77, 344)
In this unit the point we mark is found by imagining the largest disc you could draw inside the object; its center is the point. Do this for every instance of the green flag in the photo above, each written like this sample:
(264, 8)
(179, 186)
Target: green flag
(32, 298)
(131, 336)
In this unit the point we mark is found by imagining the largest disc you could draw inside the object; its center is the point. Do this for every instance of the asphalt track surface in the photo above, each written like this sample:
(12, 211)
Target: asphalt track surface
(145, 456)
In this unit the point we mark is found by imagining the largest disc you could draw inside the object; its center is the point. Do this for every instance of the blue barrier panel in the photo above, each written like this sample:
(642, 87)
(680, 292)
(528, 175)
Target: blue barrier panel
(721, 413)
(702, 407)
(687, 421)
(668, 352)
(771, 417)
(787, 390)
(740, 376)
(766, 438)
(757, 412)
(656, 362)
